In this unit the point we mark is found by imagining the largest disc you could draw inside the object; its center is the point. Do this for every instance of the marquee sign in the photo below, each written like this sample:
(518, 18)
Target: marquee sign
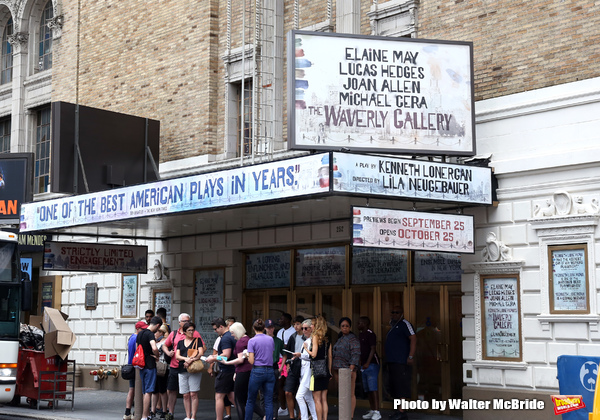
(366, 93)
(384, 228)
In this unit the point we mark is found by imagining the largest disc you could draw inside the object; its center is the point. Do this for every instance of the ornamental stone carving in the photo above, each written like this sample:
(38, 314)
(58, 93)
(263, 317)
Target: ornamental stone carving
(495, 250)
(56, 25)
(563, 204)
(18, 40)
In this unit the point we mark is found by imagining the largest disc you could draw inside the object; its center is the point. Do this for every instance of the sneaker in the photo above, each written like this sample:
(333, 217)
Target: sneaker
(376, 415)
(283, 412)
(369, 415)
(169, 416)
(226, 417)
(127, 417)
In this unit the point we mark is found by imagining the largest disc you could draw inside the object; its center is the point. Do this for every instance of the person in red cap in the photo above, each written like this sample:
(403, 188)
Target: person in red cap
(131, 346)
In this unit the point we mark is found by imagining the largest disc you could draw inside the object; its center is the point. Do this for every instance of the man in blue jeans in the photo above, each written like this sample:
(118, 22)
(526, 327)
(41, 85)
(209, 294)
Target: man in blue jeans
(131, 346)
(148, 373)
(369, 366)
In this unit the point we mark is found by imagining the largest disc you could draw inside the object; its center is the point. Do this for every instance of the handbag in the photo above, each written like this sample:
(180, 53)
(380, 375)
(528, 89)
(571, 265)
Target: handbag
(161, 368)
(197, 365)
(319, 368)
(127, 372)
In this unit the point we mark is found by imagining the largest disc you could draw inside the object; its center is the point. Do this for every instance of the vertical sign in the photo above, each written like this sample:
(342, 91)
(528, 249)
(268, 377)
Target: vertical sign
(162, 299)
(501, 318)
(208, 301)
(26, 271)
(129, 295)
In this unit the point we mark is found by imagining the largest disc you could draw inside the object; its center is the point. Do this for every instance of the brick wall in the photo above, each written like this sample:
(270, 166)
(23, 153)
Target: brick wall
(158, 63)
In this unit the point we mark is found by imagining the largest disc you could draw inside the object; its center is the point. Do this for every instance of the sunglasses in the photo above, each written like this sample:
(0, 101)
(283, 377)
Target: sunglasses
(396, 312)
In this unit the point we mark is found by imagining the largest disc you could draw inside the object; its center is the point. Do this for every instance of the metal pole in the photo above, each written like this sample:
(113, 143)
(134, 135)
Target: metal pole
(138, 397)
(345, 394)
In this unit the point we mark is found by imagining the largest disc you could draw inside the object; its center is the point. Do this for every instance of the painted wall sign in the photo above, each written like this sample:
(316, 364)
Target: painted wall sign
(376, 93)
(73, 256)
(269, 181)
(384, 228)
(409, 178)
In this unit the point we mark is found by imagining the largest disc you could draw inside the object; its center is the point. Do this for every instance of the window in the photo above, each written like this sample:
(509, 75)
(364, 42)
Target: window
(42, 151)
(7, 55)
(45, 39)
(5, 135)
(244, 125)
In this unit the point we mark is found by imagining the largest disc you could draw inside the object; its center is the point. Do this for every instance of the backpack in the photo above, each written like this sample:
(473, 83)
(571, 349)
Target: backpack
(138, 360)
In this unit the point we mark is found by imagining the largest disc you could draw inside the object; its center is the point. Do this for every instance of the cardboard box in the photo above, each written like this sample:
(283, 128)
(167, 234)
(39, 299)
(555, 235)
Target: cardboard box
(58, 337)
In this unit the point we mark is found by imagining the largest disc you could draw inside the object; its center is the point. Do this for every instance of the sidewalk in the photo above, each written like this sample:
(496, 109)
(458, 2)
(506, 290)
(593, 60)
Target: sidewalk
(93, 404)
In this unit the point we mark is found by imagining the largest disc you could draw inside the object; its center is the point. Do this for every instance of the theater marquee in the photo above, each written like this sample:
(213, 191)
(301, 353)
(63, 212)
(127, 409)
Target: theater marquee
(384, 228)
(398, 95)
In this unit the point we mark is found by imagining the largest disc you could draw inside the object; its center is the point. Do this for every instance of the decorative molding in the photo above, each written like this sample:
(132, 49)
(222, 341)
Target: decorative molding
(19, 41)
(567, 227)
(547, 319)
(497, 267)
(495, 250)
(56, 25)
(394, 18)
(562, 204)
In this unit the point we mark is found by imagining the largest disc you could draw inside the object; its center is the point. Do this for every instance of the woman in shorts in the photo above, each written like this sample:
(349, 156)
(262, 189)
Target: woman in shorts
(189, 383)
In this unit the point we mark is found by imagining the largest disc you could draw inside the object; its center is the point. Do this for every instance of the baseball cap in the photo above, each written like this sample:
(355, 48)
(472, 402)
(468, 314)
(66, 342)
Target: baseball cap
(141, 324)
(269, 323)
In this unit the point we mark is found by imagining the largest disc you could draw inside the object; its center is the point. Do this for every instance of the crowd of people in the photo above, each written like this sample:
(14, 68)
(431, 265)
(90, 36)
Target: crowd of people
(292, 367)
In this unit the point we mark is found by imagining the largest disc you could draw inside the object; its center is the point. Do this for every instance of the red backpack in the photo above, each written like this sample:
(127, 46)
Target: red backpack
(138, 360)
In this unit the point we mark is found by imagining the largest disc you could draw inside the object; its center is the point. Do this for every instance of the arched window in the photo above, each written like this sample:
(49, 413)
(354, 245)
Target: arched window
(7, 55)
(45, 39)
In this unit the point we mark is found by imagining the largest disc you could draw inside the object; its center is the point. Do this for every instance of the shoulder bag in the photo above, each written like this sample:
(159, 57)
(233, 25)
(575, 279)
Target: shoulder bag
(197, 365)
(319, 367)
(127, 372)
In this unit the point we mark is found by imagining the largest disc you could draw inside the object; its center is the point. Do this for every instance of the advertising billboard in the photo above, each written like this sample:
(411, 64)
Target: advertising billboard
(364, 93)
(15, 184)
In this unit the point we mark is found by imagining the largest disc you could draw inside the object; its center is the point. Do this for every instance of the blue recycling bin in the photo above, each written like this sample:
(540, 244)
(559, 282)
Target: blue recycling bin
(577, 376)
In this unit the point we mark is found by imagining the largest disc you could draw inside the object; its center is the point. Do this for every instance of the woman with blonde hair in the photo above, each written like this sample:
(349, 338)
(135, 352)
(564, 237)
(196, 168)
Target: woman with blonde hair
(319, 349)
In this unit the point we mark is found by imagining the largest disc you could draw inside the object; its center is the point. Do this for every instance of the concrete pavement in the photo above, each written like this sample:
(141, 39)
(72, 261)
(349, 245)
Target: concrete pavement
(94, 404)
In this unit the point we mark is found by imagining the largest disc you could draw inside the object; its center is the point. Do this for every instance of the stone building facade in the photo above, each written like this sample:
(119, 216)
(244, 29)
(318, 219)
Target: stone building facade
(536, 87)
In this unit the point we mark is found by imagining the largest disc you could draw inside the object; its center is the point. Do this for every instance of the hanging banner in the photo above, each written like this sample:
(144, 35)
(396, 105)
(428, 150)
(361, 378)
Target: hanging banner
(73, 256)
(384, 228)
(399, 95)
(249, 184)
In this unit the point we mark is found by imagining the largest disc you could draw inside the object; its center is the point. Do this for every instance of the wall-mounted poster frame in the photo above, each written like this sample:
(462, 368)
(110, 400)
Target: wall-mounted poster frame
(501, 317)
(568, 282)
(209, 293)
(162, 298)
(129, 296)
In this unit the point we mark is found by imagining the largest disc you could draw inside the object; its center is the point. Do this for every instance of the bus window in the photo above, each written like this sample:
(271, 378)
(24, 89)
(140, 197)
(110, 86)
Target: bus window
(8, 262)
(10, 299)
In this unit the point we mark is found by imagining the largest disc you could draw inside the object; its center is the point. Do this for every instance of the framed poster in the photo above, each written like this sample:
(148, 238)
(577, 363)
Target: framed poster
(501, 317)
(374, 266)
(568, 279)
(129, 295)
(268, 270)
(162, 299)
(209, 291)
(437, 267)
(91, 296)
(321, 266)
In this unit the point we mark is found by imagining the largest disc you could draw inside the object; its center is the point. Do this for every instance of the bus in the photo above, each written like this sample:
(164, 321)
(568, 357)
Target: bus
(10, 312)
